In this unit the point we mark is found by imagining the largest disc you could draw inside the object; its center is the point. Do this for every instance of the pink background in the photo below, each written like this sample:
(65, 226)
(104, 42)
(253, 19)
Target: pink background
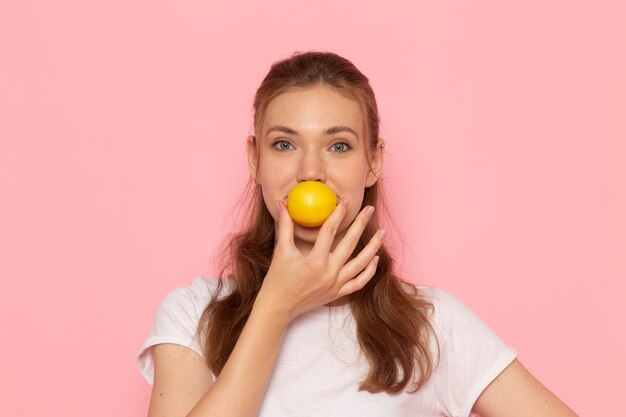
(122, 127)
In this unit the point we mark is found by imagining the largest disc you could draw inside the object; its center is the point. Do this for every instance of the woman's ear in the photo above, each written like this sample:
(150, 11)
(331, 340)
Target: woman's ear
(252, 156)
(376, 163)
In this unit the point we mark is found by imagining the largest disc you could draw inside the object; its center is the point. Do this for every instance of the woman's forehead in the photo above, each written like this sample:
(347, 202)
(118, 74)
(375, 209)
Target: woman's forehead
(312, 111)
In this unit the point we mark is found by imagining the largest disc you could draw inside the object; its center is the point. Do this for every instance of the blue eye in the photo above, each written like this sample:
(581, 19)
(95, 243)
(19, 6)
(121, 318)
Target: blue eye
(280, 141)
(347, 147)
(283, 148)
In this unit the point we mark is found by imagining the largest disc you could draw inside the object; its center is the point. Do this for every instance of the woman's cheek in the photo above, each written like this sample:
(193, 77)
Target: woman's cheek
(271, 207)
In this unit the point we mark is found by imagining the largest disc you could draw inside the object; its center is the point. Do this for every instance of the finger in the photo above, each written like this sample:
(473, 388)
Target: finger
(345, 248)
(360, 280)
(284, 235)
(327, 232)
(360, 261)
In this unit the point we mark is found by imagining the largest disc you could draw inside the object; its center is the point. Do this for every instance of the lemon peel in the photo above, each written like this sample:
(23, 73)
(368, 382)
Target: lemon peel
(310, 203)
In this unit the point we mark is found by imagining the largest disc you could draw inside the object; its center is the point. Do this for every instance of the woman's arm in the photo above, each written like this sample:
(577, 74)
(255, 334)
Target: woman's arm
(181, 378)
(182, 381)
(517, 393)
(240, 387)
(294, 284)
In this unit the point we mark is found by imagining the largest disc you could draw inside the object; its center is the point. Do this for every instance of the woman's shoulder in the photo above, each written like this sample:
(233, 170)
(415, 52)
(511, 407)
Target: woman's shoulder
(197, 293)
(435, 295)
(454, 318)
(445, 304)
(177, 317)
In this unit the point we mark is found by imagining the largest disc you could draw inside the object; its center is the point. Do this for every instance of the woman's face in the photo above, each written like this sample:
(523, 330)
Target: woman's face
(294, 145)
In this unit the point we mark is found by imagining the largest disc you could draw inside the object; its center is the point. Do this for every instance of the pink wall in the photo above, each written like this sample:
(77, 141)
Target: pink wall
(122, 128)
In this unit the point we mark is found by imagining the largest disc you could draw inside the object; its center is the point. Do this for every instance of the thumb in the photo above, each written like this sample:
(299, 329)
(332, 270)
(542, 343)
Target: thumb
(285, 225)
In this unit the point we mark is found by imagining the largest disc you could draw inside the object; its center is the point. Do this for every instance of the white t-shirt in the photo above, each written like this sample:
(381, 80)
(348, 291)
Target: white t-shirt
(320, 366)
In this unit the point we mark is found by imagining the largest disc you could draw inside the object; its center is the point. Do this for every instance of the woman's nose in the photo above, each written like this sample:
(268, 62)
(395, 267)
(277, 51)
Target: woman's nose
(311, 168)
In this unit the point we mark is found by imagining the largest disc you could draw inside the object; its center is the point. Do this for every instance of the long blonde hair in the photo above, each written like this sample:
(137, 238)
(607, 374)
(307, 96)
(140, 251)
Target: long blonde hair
(392, 318)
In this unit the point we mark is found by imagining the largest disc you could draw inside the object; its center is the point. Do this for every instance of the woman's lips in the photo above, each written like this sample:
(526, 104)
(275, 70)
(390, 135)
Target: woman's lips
(310, 228)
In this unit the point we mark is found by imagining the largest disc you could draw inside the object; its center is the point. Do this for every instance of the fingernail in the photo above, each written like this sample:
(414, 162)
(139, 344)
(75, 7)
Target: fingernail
(381, 234)
(376, 260)
(370, 210)
(344, 201)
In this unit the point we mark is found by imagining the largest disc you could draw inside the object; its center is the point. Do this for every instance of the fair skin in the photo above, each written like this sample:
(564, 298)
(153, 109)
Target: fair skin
(308, 154)
(310, 267)
(283, 159)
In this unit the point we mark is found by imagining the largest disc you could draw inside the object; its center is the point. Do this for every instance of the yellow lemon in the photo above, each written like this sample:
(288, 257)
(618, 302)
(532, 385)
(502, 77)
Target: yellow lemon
(310, 203)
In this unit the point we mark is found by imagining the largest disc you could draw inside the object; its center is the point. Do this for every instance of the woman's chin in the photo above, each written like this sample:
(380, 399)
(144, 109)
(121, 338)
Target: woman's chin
(305, 232)
(309, 234)
(305, 237)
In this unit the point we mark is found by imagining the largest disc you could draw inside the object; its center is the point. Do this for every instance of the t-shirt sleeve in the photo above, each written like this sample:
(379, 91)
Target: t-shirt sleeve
(175, 321)
(472, 355)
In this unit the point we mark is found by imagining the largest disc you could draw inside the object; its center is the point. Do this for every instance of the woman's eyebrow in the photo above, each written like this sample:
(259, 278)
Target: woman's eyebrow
(329, 131)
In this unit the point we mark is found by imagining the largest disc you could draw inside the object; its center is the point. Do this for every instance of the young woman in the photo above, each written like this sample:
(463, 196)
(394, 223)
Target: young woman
(313, 321)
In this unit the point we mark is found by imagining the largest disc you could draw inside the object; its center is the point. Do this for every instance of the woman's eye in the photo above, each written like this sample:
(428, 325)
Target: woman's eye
(347, 147)
(340, 147)
(281, 142)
